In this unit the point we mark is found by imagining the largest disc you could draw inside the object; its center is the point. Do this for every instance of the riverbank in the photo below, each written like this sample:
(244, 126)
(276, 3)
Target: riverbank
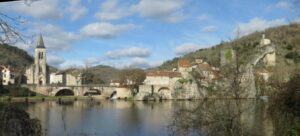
(83, 98)
(48, 98)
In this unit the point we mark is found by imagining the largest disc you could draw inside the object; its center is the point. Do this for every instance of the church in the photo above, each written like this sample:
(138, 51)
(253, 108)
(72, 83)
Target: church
(39, 73)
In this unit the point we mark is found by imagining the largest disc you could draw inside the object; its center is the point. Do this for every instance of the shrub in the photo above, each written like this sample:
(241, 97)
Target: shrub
(290, 47)
(294, 56)
(228, 55)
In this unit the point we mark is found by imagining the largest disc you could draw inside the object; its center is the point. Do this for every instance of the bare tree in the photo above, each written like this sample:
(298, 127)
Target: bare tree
(11, 27)
(132, 78)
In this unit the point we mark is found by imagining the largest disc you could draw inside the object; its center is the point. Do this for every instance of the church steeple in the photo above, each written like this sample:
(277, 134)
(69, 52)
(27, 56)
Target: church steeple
(40, 71)
(40, 43)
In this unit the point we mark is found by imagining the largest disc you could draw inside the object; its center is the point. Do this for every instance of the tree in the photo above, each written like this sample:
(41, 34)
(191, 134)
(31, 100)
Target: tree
(132, 78)
(10, 26)
(90, 78)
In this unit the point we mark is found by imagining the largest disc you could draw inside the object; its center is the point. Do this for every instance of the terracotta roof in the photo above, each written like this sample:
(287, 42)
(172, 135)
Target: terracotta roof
(204, 67)
(183, 63)
(163, 73)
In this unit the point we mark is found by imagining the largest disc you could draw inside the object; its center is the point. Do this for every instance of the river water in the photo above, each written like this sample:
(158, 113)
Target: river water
(127, 118)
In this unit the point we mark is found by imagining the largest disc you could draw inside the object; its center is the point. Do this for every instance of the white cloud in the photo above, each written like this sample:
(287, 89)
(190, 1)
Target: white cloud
(283, 5)
(165, 10)
(105, 30)
(93, 61)
(76, 9)
(140, 63)
(38, 9)
(111, 11)
(297, 20)
(203, 17)
(128, 52)
(55, 38)
(210, 28)
(256, 24)
(55, 61)
(186, 48)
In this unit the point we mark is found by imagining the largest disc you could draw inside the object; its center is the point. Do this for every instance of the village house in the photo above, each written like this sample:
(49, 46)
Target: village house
(115, 83)
(184, 65)
(162, 77)
(7, 75)
(69, 77)
(208, 72)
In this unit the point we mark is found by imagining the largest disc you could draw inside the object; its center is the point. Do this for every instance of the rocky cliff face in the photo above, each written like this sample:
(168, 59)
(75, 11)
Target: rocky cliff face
(224, 86)
(16, 122)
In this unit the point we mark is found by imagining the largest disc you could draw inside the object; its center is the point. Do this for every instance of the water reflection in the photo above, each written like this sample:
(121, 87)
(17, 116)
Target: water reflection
(102, 118)
(226, 118)
(212, 117)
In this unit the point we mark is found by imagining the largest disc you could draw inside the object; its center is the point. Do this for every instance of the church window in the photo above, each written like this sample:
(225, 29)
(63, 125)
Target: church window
(40, 55)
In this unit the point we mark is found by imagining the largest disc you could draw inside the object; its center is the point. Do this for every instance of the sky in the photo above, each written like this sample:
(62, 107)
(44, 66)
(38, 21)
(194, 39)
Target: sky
(140, 33)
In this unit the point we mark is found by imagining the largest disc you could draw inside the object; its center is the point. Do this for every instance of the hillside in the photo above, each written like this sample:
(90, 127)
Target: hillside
(17, 58)
(103, 74)
(13, 56)
(286, 39)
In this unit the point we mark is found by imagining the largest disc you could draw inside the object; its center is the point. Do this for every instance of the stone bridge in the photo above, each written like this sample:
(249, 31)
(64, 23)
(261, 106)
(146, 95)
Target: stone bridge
(84, 90)
(159, 91)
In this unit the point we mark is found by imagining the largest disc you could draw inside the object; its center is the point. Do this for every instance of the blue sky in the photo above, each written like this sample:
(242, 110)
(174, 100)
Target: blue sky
(140, 33)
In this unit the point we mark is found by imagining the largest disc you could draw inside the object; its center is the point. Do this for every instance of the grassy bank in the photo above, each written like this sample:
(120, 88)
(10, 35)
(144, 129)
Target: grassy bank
(47, 98)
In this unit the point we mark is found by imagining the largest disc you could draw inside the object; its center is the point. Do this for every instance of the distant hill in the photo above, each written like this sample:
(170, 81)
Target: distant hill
(13, 56)
(104, 73)
(286, 38)
(16, 58)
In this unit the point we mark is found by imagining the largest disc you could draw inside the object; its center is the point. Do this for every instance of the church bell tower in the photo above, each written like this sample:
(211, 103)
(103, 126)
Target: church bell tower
(40, 73)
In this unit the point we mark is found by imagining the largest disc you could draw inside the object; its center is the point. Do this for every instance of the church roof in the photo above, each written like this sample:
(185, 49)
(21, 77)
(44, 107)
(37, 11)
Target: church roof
(40, 43)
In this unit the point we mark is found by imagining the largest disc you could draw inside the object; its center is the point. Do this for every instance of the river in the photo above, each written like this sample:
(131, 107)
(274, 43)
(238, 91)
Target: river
(127, 118)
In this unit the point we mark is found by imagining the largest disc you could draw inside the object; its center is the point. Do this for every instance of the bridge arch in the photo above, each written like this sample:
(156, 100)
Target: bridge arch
(92, 92)
(164, 92)
(64, 92)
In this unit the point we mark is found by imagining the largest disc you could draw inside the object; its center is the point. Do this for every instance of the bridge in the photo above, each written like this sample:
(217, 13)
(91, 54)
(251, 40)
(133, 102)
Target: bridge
(158, 91)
